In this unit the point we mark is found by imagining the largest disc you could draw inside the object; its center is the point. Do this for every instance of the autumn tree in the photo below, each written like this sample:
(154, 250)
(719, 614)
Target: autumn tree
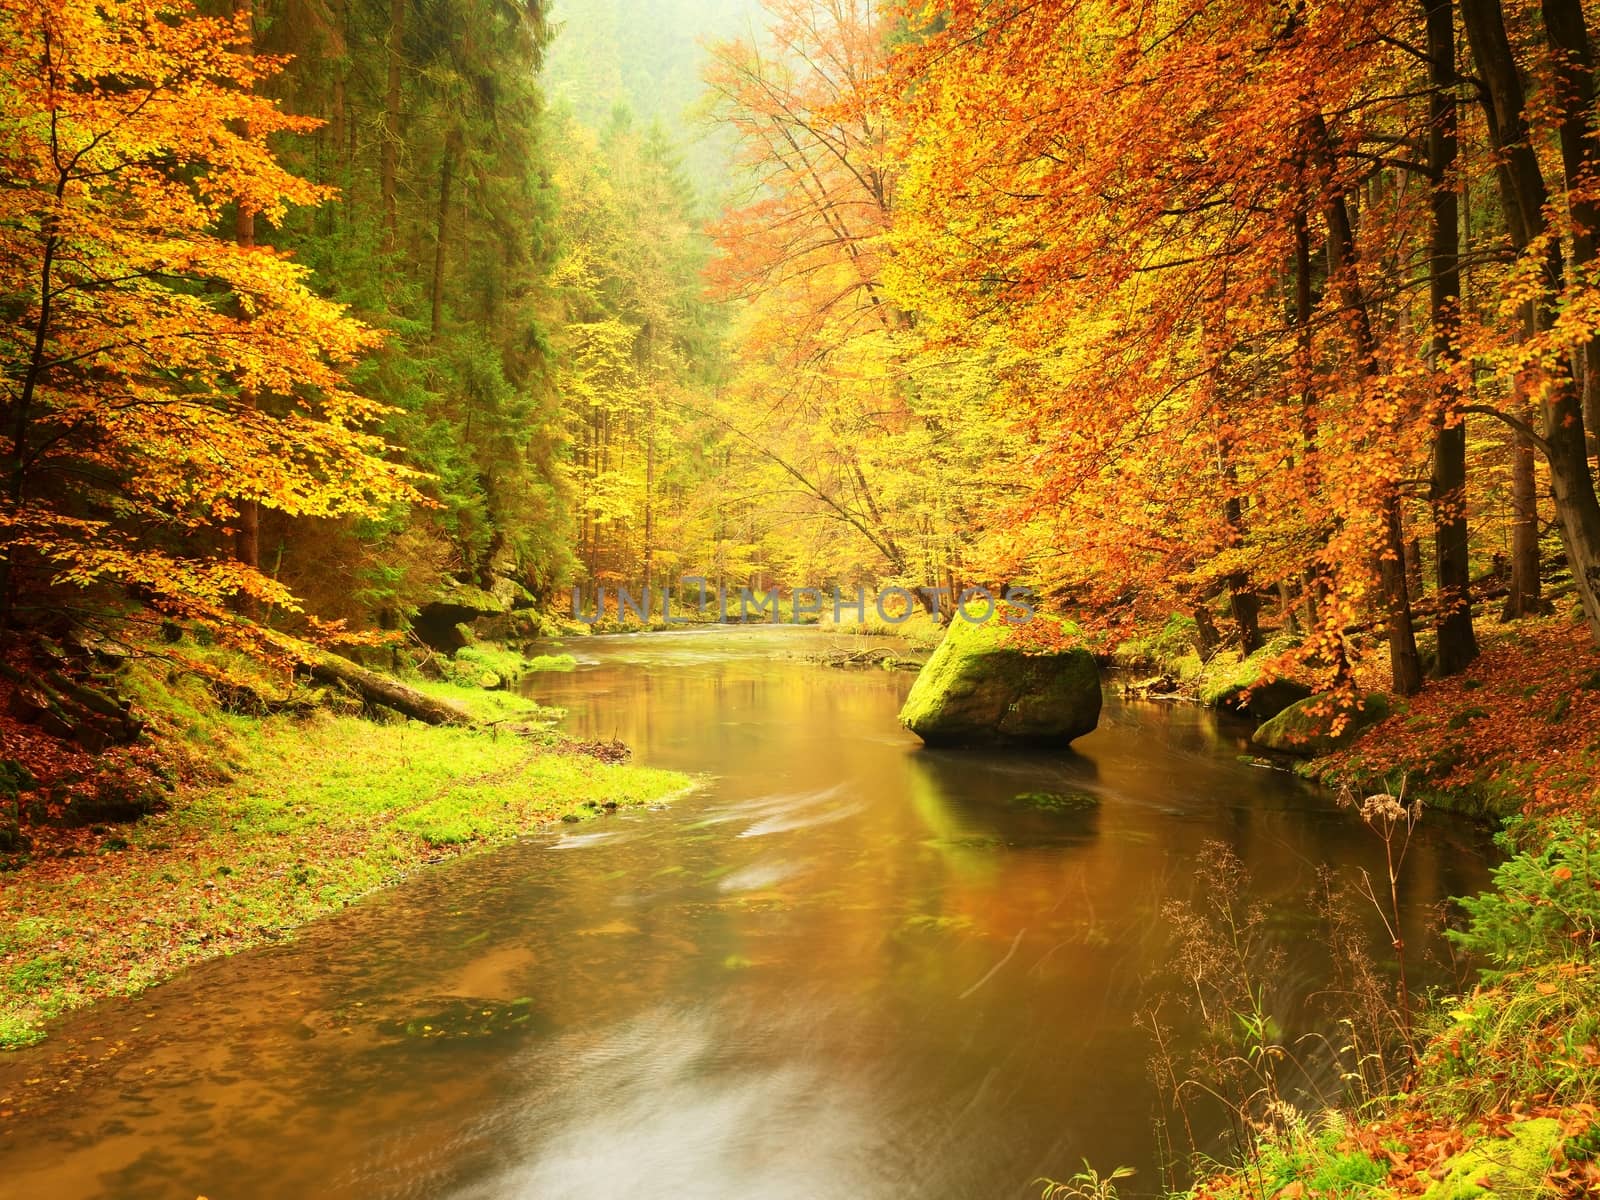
(637, 349)
(1553, 280)
(844, 418)
(1214, 251)
(141, 333)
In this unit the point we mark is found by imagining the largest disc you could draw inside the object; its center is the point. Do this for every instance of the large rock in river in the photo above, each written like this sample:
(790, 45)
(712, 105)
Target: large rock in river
(981, 689)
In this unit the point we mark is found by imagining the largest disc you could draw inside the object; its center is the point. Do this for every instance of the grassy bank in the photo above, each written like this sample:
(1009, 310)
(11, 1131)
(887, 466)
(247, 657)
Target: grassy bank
(276, 821)
(1518, 731)
(917, 630)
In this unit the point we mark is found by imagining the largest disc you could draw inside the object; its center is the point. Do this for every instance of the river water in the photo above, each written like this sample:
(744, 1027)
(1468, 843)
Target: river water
(844, 968)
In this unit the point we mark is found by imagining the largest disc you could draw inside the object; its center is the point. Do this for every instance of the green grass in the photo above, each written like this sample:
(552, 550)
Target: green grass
(919, 630)
(1171, 648)
(308, 814)
(487, 706)
(1171, 651)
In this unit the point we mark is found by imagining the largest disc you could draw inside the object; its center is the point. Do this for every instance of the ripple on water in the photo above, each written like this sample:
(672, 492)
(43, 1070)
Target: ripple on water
(653, 1109)
(758, 876)
(577, 841)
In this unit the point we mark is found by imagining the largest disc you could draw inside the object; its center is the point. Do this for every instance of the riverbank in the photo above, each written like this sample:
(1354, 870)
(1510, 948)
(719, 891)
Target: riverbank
(1502, 1083)
(1501, 1099)
(1517, 733)
(272, 822)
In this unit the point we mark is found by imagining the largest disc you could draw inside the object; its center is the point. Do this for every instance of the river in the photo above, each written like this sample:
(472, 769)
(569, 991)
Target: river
(844, 968)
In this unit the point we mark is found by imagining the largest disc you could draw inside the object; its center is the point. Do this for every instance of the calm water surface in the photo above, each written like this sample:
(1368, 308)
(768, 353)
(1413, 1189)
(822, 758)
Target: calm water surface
(845, 968)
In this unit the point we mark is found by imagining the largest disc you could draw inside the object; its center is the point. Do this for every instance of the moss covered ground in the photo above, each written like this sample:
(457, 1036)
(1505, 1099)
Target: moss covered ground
(273, 822)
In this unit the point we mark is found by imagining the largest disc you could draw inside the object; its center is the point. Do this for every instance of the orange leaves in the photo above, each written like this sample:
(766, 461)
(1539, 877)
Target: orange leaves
(1516, 720)
(1127, 209)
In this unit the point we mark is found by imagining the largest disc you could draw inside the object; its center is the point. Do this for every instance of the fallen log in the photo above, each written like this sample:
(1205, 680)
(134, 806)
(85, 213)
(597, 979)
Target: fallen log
(384, 691)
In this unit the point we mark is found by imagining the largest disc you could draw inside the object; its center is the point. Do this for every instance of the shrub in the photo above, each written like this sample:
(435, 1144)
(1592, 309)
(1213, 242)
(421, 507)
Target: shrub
(1545, 906)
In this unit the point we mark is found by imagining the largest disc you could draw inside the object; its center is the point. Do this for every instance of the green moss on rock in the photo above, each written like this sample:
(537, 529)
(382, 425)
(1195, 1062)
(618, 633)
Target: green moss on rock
(1307, 728)
(980, 689)
(1241, 685)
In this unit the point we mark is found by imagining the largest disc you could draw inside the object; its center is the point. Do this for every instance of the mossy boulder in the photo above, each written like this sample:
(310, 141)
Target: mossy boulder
(1267, 700)
(1252, 698)
(1307, 728)
(1244, 687)
(980, 688)
(458, 614)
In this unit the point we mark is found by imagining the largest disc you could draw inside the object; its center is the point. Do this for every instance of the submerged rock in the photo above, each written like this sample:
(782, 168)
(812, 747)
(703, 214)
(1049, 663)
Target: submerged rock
(1307, 728)
(1057, 802)
(980, 689)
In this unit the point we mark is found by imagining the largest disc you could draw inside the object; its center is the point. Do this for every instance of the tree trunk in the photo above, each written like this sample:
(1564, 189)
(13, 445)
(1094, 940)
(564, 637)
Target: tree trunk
(1246, 610)
(1447, 487)
(1563, 442)
(1415, 587)
(1243, 604)
(1522, 594)
(1404, 661)
(391, 123)
(1287, 612)
(1206, 637)
(1305, 359)
(1591, 400)
(385, 692)
(338, 105)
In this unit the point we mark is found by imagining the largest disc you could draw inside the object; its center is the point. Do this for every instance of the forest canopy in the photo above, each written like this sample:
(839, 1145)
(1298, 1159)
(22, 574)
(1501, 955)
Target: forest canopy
(316, 312)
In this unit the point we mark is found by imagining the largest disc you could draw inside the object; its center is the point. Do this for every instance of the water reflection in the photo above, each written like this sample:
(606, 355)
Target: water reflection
(847, 967)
